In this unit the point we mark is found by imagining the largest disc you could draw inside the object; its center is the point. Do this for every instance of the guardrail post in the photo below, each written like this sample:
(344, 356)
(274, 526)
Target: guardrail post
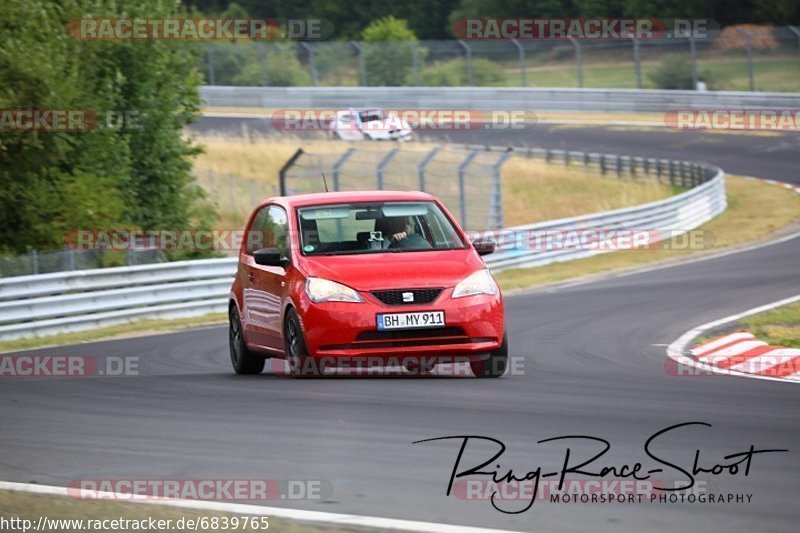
(603, 164)
(424, 163)
(578, 60)
(683, 173)
(362, 63)
(585, 157)
(382, 165)
(462, 186)
(566, 158)
(312, 65)
(748, 39)
(672, 172)
(468, 56)
(285, 168)
(521, 58)
(337, 167)
(619, 165)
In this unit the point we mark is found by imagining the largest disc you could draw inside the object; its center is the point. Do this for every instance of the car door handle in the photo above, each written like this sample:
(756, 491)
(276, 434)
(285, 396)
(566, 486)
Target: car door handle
(250, 276)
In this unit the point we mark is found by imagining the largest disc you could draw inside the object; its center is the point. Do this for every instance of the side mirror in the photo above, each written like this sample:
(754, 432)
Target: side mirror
(270, 257)
(484, 246)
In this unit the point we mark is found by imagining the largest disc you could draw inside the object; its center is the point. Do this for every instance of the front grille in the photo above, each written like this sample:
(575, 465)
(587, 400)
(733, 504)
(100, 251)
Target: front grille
(408, 338)
(395, 297)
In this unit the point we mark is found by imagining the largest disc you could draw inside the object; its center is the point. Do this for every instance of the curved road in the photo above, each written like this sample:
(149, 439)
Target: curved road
(592, 364)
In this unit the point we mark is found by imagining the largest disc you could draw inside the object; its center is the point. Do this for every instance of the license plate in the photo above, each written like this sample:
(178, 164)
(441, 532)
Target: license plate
(427, 319)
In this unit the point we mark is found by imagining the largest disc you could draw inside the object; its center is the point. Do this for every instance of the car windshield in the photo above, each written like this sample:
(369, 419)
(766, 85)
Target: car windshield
(371, 116)
(362, 228)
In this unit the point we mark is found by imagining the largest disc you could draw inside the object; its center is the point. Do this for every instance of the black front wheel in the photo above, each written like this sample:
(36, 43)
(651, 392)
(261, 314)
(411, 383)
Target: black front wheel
(242, 360)
(495, 365)
(296, 350)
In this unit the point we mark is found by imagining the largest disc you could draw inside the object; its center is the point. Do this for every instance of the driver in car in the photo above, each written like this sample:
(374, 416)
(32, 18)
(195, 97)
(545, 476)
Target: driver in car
(403, 235)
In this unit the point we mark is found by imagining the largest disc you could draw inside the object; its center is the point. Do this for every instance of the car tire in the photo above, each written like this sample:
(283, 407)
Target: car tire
(493, 366)
(296, 350)
(243, 361)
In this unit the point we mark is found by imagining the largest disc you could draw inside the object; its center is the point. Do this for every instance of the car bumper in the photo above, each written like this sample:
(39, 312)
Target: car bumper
(474, 326)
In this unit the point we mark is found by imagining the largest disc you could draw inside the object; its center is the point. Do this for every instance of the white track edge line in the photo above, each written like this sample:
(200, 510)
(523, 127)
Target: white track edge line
(677, 348)
(319, 517)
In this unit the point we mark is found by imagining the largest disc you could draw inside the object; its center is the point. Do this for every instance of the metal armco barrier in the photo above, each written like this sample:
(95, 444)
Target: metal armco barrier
(492, 98)
(32, 306)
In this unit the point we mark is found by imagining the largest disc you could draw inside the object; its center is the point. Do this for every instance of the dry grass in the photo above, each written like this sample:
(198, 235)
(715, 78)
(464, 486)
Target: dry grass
(535, 191)
(241, 172)
(755, 211)
(779, 327)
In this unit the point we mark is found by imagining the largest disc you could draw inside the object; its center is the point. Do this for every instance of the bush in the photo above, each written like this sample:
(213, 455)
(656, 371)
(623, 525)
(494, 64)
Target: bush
(283, 68)
(453, 73)
(388, 64)
(675, 72)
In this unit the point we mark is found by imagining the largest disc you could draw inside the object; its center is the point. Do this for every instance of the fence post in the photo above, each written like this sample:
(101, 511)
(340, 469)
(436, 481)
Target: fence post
(693, 53)
(34, 260)
(497, 190)
(262, 63)
(468, 55)
(796, 31)
(415, 62)
(637, 63)
(210, 60)
(285, 168)
(578, 60)
(337, 167)
(521, 57)
(672, 172)
(312, 65)
(385, 161)
(462, 186)
(748, 39)
(424, 163)
(362, 64)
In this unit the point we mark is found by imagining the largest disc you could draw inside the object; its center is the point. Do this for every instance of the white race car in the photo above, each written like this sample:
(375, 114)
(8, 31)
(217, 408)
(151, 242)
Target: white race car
(370, 124)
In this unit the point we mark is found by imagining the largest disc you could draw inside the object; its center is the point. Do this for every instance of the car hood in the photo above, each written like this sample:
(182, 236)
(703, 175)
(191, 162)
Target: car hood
(387, 270)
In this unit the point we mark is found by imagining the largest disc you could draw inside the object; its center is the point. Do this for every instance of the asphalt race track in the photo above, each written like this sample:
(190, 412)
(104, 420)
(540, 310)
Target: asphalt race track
(774, 155)
(593, 364)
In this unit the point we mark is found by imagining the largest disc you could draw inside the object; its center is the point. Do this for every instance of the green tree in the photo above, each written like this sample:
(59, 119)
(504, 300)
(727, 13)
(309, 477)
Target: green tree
(139, 175)
(388, 47)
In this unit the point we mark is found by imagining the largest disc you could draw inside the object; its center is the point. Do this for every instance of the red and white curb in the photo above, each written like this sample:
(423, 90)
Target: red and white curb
(742, 352)
(317, 517)
(737, 354)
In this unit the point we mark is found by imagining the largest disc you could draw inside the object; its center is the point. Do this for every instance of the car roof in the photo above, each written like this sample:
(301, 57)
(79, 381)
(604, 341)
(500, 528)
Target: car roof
(322, 198)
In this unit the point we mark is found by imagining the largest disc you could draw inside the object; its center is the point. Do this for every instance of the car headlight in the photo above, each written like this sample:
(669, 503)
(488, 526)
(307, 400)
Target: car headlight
(325, 290)
(480, 282)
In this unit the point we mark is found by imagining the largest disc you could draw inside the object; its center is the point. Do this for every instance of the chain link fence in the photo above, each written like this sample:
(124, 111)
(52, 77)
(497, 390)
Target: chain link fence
(35, 262)
(762, 59)
(466, 180)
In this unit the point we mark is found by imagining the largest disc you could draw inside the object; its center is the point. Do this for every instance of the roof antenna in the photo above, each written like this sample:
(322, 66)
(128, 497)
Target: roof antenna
(325, 182)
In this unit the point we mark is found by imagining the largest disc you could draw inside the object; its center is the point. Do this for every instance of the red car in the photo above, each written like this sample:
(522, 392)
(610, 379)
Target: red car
(380, 277)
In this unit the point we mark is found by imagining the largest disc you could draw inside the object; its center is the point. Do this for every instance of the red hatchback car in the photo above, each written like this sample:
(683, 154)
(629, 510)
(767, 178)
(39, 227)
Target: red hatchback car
(347, 278)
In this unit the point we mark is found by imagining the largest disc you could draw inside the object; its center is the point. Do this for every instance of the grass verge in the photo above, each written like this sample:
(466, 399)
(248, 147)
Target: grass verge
(778, 327)
(756, 210)
(130, 329)
(27, 506)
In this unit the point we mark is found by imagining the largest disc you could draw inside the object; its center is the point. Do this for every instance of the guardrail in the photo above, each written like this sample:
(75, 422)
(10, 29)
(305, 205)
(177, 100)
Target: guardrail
(491, 98)
(71, 301)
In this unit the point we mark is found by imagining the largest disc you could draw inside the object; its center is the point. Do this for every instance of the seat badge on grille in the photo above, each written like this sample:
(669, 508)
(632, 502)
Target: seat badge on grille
(408, 296)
